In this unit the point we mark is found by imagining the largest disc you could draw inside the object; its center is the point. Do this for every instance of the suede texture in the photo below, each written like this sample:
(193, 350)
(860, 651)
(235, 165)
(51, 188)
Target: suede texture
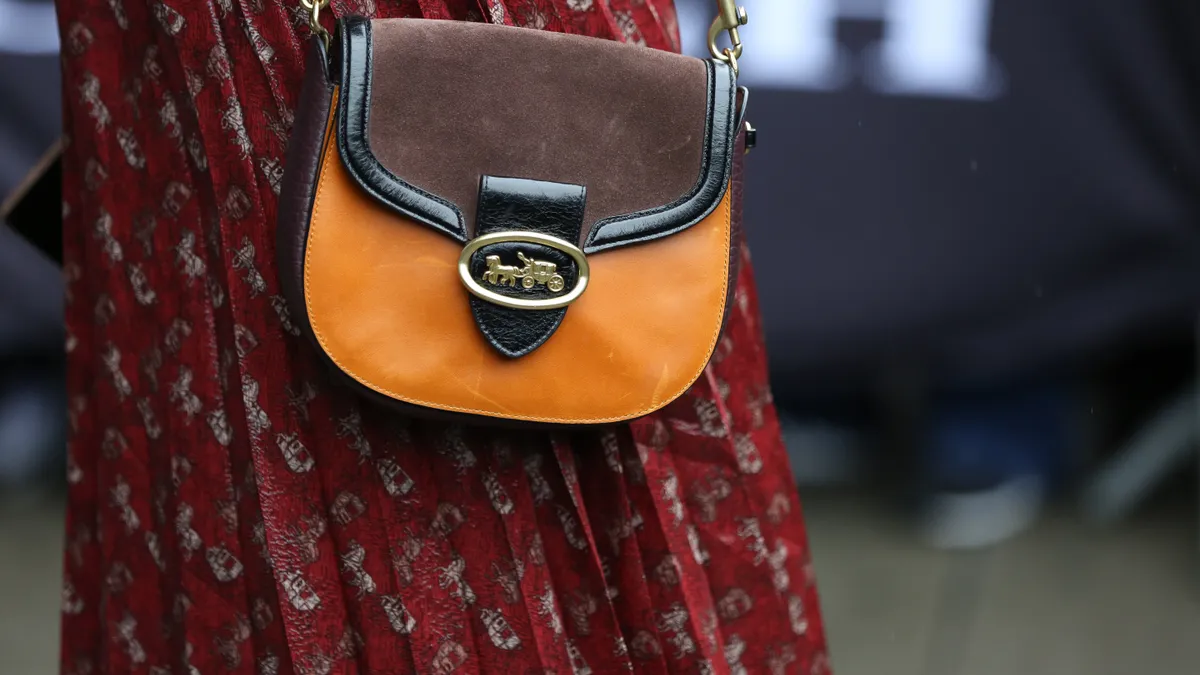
(355, 145)
(627, 122)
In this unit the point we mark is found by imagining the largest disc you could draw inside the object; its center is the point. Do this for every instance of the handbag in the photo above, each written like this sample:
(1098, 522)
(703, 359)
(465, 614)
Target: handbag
(503, 224)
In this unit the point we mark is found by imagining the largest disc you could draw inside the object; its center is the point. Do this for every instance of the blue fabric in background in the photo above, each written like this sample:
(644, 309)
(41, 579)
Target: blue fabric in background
(980, 439)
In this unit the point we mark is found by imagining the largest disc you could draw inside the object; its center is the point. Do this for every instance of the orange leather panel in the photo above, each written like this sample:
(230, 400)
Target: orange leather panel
(387, 305)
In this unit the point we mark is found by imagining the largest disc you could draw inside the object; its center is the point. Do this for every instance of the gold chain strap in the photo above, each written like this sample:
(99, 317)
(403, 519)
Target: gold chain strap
(314, 7)
(730, 18)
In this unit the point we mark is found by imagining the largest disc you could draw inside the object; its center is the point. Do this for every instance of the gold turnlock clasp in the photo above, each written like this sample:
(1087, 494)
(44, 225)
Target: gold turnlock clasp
(730, 17)
(314, 7)
(531, 274)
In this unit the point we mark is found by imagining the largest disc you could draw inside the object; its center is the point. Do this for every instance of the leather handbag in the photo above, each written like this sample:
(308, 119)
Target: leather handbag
(505, 224)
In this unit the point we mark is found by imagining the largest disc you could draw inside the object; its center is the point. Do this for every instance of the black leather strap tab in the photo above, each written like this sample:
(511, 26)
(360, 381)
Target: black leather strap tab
(522, 205)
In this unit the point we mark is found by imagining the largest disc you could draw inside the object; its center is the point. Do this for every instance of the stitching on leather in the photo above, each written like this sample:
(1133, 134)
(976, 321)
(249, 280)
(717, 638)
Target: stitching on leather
(312, 240)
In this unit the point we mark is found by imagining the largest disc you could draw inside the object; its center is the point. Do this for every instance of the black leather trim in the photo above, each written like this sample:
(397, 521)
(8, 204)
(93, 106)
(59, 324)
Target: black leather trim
(513, 204)
(710, 188)
(354, 110)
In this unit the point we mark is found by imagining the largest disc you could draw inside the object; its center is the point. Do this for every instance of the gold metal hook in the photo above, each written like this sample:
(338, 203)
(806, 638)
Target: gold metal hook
(314, 18)
(730, 17)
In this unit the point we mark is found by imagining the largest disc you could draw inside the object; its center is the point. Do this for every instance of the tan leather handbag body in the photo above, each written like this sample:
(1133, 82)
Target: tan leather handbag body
(505, 224)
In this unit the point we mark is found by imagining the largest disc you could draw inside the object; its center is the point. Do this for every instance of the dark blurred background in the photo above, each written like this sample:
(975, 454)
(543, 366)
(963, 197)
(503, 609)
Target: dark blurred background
(975, 224)
(976, 227)
(32, 413)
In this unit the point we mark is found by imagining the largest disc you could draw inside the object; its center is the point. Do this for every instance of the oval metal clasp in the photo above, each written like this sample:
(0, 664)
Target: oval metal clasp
(480, 291)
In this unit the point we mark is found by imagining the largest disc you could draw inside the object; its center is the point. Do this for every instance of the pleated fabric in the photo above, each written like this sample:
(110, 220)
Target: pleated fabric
(231, 511)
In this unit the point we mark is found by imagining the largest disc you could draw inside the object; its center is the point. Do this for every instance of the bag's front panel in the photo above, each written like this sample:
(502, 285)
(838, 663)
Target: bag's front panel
(388, 307)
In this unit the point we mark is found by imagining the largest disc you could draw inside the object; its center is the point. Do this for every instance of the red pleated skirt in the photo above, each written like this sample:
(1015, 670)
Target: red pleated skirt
(233, 512)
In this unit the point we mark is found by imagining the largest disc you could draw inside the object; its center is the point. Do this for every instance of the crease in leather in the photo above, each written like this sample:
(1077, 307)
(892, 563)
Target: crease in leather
(511, 204)
(382, 124)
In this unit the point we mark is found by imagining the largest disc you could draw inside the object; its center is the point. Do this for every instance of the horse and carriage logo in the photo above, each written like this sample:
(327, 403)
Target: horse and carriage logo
(534, 273)
(528, 275)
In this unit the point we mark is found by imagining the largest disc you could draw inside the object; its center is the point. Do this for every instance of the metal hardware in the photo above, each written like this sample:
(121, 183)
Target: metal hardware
(314, 8)
(751, 137)
(535, 271)
(730, 17)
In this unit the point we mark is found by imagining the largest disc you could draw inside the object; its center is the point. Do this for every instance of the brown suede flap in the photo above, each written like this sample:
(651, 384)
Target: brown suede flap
(453, 101)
